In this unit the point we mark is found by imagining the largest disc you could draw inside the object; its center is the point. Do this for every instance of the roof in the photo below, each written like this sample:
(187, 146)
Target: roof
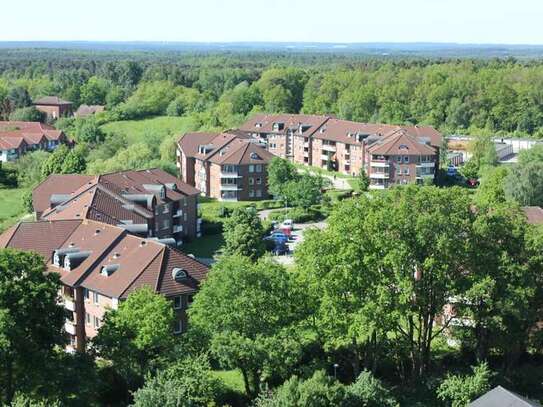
(135, 261)
(224, 148)
(400, 142)
(304, 124)
(501, 397)
(56, 184)
(86, 110)
(51, 101)
(344, 131)
(31, 132)
(534, 214)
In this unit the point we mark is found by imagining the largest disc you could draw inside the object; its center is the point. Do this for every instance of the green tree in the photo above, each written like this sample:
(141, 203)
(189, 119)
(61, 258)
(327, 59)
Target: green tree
(27, 114)
(94, 92)
(29, 168)
(304, 192)
(75, 162)
(459, 391)
(491, 191)
(31, 321)
(186, 383)
(368, 391)
(280, 172)
(19, 97)
(26, 201)
(247, 310)
(534, 154)
(363, 181)
(137, 336)
(243, 233)
(53, 164)
(88, 131)
(406, 239)
(524, 184)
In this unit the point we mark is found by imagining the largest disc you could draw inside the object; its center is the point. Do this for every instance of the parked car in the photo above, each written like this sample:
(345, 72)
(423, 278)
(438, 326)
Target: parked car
(287, 224)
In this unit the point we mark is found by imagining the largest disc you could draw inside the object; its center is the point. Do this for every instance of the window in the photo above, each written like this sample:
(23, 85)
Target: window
(259, 168)
(406, 171)
(399, 170)
(259, 193)
(86, 293)
(399, 158)
(96, 322)
(251, 181)
(95, 297)
(251, 168)
(166, 209)
(185, 216)
(165, 224)
(87, 318)
(406, 159)
(259, 181)
(252, 193)
(178, 327)
(177, 303)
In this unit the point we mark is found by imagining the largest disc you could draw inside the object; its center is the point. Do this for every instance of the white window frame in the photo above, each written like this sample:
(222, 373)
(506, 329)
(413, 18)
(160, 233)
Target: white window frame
(258, 168)
(251, 181)
(175, 305)
(95, 297)
(178, 328)
(251, 168)
(406, 159)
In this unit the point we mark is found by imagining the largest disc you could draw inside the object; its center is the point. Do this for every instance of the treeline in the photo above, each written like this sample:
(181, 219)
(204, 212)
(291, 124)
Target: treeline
(456, 96)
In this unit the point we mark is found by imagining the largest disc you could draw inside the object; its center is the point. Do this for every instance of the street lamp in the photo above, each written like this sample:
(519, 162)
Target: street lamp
(335, 370)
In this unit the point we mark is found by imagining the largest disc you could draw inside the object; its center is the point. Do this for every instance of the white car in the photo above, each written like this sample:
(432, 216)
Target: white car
(287, 224)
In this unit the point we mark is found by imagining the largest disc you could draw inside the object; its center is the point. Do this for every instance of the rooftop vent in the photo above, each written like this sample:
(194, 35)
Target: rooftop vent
(179, 275)
(97, 232)
(109, 269)
(116, 255)
(143, 243)
(74, 259)
(59, 254)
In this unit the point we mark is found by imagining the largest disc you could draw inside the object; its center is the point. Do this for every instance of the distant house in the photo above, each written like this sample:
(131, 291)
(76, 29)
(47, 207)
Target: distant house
(227, 166)
(148, 203)
(86, 110)
(500, 397)
(16, 138)
(54, 107)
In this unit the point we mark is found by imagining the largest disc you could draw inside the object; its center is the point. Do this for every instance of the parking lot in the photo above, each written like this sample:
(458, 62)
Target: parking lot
(296, 238)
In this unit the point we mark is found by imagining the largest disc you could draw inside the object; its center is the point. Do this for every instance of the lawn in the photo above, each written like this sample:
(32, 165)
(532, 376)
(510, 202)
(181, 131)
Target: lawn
(11, 208)
(157, 127)
(232, 379)
(206, 246)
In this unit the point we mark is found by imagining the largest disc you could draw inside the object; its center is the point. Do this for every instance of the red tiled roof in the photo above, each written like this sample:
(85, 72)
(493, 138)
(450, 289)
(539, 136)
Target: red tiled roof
(86, 110)
(400, 143)
(63, 184)
(138, 261)
(263, 123)
(31, 131)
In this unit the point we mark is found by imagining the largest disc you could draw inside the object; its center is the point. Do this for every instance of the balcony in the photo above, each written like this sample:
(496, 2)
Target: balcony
(69, 304)
(328, 147)
(69, 326)
(178, 214)
(177, 228)
(230, 175)
(324, 157)
(424, 176)
(379, 164)
(306, 144)
(379, 175)
(377, 186)
(426, 165)
(232, 187)
(306, 153)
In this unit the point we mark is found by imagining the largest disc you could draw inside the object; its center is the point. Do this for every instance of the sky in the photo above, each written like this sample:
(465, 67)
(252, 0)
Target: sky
(338, 21)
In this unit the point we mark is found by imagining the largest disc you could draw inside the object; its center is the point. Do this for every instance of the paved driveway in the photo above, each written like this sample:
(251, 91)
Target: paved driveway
(296, 239)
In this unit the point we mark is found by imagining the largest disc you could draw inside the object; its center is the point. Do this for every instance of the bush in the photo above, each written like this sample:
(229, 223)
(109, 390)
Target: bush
(298, 215)
(27, 114)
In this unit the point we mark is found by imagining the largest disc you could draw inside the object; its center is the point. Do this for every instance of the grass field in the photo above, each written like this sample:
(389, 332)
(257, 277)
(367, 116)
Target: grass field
(155, 128)
(232, 379)
(11, 208)
(206, 246)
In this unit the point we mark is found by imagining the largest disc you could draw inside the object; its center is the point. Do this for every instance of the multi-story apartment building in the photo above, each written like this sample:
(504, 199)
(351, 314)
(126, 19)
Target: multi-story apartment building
(100, 265)
(342, 145)
(229, 167)
(278, 132)
(400, 158)
(148, 203)
(54, 107)
(16, 138)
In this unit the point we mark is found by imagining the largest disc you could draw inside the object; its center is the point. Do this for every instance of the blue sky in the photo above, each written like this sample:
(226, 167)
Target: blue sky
(465, 21)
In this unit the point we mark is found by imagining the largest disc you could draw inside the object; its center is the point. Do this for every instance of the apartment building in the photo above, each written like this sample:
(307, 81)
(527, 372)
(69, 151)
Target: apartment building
(399, 158)
(226, 166)
(278, 132)
(17, 138)
(342, 145)
(54, 107)
(147, 203)
(100, 265)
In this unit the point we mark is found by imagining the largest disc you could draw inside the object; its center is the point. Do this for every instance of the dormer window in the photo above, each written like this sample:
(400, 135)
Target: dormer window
(109, 269)
(179, 275)
(258, 125)
(254, 156)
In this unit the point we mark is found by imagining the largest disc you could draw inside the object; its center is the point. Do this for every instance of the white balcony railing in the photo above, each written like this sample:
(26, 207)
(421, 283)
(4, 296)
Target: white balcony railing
(379, 164)
(306, 144)
(230, 175)
(178, 214)
(328, 147)
(229, 187)
(69, 304)
(177, 228)
(69, 326)
(324, 157)
(381, 186)
(379, 175)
